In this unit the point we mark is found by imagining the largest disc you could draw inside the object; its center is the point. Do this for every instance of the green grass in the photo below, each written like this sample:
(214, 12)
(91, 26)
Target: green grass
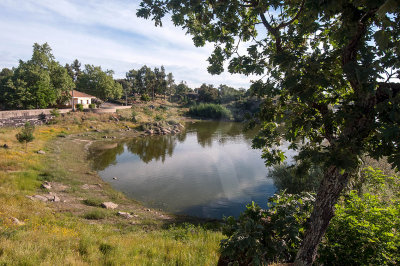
(96, 214)
(83, 234)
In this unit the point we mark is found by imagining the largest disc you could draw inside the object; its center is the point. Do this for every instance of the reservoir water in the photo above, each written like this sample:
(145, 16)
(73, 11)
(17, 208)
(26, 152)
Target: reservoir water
(209, 170)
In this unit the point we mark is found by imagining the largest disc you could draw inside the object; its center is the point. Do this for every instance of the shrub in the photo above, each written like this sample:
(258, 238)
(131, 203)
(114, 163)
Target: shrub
(55, 113)
(209, 110)
(144, 97)
(363, 232)
(260, 236)
(295, 179)
(134, 114)
(96, 214)
(92, 202)
(92, 106)
(26, 134)
(79, 107)
(158, 117)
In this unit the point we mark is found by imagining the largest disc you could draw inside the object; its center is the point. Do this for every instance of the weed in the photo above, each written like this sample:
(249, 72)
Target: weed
(96, 214)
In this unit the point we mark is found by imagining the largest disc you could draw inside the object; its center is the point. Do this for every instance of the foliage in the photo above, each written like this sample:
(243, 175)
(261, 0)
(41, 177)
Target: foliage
(79, 107)
(294, 179)
(95, 214)
(207, 93)
(26, 134)
(95, 202)
(210, 110)
(363, 232)
(55, 113)
(38, 83)
(260, 236)
(94, 81)
(145, 97)
(329, 70)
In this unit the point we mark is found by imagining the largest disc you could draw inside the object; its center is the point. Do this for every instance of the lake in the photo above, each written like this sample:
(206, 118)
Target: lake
(209, 170)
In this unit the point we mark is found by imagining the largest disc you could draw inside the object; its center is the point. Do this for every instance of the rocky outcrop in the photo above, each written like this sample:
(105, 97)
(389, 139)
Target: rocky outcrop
(159, 128)
(109, 205)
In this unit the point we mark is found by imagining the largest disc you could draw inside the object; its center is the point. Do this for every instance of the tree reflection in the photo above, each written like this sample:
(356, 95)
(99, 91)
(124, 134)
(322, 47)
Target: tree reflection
(102, 157)
(150, 148)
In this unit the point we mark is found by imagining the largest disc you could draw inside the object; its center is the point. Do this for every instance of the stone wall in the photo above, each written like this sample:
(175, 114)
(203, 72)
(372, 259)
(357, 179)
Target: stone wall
(20, 117)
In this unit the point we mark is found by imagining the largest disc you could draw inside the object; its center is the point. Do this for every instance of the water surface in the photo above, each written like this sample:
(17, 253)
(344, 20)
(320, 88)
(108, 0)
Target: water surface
(209, 170)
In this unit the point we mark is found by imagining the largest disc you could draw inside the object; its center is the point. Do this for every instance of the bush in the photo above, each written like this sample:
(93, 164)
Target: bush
(92, 202)
(134, 114)
(363, 232)
(96, 214)
(55, 113)
(79, 107)
(260, 236)
(210, 110)
(145, 98)
(92, 106)
(295, 179)
(26, 134)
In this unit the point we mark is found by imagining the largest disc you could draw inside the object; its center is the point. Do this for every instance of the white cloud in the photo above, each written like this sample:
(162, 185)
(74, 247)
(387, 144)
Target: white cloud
(105, 33)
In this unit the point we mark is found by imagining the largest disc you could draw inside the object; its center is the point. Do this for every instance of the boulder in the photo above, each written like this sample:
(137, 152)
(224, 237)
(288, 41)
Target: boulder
(41, 152)
(16, 221)
(125, 215)
(109, 205)
(46, 185)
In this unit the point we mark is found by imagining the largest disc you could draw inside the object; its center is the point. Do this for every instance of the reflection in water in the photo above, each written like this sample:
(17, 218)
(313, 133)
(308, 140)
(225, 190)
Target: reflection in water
(209, 170)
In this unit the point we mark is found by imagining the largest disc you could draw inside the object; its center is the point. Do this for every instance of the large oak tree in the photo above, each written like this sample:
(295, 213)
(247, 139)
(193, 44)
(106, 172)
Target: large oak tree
(330, 66)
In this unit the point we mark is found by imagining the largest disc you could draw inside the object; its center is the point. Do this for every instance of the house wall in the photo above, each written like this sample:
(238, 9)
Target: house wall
(82, 100)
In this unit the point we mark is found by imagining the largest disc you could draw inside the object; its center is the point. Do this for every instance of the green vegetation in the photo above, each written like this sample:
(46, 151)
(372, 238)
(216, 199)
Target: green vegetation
(363, 232)
(79, 107)
(328, 71)
(26, 134)
(72, 232)
(210, 110)
(96, 214)
(94, 81)
(38, 83)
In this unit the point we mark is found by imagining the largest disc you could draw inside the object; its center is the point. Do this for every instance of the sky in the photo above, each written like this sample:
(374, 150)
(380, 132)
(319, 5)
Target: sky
(105, 33)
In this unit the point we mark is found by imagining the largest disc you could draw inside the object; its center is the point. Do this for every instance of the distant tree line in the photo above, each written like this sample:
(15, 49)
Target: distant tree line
(42, 82)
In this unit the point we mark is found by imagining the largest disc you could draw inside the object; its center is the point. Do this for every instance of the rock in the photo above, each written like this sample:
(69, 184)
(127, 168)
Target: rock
(150, 132)
(85, 186)
(98, 131)
(5, 146)
(109, 205)
(115, 178)
(91, 127)
(16, 221)
(41, 152)
(53, 197)
(148, 210)
(39, 197)
(125, 215)
(46, 185)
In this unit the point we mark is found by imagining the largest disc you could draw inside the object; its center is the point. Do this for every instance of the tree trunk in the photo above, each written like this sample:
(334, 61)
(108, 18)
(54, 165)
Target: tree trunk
(328, 193)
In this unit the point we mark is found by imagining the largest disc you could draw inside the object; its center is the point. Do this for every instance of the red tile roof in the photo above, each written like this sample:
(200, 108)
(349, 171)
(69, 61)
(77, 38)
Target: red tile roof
(81, 94)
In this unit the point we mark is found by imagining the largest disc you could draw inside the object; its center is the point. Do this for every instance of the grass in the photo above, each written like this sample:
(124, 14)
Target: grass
(96, 214)
(77, 232)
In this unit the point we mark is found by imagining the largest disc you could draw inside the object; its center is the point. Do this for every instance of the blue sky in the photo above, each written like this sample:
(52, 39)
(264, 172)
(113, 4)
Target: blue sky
(105, 33)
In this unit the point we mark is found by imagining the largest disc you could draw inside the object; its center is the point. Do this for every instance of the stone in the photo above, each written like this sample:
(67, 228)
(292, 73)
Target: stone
(46, 185)
(39, 197)
(85, 186)
(41, 152)
(125, 215)
(16, 221)
(5, 146)
(109, 205)
(53, 197)
(115, 178)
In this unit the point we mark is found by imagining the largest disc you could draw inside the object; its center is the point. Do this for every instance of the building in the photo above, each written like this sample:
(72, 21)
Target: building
(78, 97)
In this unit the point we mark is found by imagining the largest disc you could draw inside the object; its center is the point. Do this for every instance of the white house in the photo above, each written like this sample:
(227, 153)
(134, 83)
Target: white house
(78, 97)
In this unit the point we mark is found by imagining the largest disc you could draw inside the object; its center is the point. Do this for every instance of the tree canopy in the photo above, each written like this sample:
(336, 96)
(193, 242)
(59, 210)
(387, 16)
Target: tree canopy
(93, 80)
(38, 83)
(329, 67)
